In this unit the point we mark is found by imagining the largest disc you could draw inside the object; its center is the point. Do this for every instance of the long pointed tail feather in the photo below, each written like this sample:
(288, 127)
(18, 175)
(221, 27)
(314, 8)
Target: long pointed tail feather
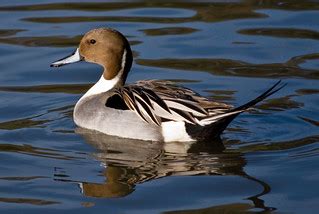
(232, 113)
(212, 127)
(276, 87)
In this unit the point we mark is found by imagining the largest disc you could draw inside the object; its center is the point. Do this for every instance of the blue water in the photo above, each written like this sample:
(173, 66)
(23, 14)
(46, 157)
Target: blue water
(230, 51)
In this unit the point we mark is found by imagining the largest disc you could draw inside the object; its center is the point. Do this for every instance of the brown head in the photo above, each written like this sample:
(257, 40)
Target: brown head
(106, 47)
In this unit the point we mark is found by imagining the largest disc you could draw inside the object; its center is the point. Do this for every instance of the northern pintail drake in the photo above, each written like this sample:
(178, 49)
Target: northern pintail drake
(154, 110)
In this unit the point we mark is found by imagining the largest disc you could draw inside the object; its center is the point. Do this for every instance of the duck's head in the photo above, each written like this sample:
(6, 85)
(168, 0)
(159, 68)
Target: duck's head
(106, 47)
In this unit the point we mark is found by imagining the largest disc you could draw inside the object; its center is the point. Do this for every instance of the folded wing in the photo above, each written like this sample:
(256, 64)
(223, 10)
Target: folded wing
(156, 101)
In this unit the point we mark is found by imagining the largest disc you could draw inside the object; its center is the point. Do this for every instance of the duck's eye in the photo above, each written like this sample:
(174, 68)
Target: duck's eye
(92, 41)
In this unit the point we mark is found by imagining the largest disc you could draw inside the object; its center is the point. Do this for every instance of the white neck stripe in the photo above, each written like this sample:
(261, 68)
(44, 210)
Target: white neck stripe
(104, 85)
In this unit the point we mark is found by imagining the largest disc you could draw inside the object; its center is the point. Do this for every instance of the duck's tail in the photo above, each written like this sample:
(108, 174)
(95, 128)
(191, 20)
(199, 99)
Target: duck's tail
(213, 126)
(276, 87)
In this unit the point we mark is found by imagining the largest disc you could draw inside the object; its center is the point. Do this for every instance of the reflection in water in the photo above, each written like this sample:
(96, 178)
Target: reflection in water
(228, 208)
(229, 67)
(28, 201)
(169, 31)
(313, 122)
(280, 104)
(204, 11)
(9, 32)
(34, 151)
(25, 178)
(282, 32)
(207, 12)
(120, 182)
(63, 88)
(280, 146)
(44, 41)
(221, 95)
(23, 123)
(240, 6)
(36, 121)
(131, 162)
(307, 91)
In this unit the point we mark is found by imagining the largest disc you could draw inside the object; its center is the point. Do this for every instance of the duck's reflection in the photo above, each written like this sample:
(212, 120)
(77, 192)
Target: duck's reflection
(118, 184)
(130, 162)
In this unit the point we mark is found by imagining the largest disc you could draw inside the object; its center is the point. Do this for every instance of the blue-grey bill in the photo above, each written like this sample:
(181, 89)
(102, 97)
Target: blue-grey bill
(74, 57)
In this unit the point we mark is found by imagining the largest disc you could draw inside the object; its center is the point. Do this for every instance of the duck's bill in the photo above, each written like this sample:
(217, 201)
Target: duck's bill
(74, 57)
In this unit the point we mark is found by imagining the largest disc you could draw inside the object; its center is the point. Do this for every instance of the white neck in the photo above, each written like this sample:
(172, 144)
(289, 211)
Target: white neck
(104, 85)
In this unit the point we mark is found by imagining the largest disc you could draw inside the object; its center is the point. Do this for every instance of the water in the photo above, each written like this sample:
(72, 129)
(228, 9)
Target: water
(227, 50)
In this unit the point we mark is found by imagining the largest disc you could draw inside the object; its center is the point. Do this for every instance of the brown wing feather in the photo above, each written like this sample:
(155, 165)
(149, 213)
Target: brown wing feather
(177, 103)
(167, 89)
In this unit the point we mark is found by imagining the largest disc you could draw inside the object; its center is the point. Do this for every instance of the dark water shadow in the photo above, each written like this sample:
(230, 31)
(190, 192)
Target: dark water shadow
(44, 41)
(30, 201)
(47, 41)
(30, 122)
(280, 146)
(109, 6)
(201, 12)
(35, 151)
(280, 104)
(61, 88)
(36, 121)
(9, 32)
(169, 31)
(229, 67)
(227, 208)
(282, 33)
(131, 162)
(204, 11)
(311, 121)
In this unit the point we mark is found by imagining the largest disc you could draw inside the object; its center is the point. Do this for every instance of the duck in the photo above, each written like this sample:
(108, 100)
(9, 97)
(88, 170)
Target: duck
(149, 110)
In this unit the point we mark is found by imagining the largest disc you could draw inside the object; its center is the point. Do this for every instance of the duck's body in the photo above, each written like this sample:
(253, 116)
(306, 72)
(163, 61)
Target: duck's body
(91, 113)
(147, 110)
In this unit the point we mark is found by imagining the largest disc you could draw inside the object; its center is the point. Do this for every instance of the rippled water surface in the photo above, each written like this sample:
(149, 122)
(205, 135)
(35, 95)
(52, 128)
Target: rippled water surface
(227, 50)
